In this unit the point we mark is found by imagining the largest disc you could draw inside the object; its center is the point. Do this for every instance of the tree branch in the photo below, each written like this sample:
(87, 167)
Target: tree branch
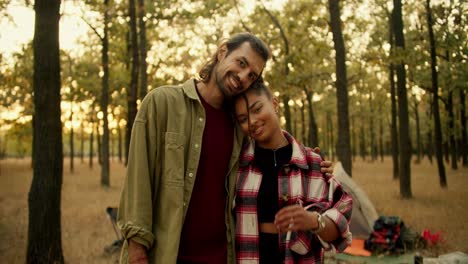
(93, 28)
(240, 17)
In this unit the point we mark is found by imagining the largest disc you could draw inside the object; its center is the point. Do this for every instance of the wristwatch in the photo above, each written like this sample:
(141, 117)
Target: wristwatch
(321, 223)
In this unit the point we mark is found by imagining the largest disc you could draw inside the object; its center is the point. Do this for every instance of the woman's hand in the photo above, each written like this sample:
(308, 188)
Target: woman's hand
(294, 218)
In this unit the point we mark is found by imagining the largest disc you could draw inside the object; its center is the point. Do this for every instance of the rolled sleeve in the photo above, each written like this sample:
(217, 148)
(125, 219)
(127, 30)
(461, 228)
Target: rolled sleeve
(342, 223)
(137, 233)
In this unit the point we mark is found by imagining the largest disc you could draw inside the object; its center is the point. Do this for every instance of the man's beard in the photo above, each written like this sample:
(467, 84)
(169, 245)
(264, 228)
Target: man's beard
(220, 82)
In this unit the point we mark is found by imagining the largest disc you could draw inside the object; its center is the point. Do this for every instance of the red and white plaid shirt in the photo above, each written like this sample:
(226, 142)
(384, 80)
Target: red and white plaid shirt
(300, 181)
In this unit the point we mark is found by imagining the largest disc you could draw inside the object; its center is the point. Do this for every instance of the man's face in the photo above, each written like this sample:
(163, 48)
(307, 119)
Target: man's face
(235, 72)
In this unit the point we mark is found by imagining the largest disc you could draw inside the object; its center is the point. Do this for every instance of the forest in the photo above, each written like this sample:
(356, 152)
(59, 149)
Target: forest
(361, 79)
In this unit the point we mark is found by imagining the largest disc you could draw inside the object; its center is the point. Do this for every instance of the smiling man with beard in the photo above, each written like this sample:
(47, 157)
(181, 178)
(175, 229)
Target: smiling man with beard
(178, 194)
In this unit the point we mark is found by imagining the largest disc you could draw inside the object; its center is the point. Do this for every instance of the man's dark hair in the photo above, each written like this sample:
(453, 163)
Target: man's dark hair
(233, 43)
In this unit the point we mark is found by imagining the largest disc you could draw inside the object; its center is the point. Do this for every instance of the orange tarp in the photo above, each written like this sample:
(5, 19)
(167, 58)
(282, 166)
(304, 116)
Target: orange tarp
(357, 248)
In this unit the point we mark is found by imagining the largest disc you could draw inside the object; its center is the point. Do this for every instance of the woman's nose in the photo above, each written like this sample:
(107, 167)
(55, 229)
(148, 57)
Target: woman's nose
(252, 121)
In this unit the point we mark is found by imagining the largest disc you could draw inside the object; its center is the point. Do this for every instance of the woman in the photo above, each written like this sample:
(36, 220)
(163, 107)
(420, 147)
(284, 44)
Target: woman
(287, 211)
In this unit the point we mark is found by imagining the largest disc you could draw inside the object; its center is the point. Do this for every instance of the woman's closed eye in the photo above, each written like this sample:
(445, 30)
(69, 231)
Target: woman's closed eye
(257, 110)
(242, 120)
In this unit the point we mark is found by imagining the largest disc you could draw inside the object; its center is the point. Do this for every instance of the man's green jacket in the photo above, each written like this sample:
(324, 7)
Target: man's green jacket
(163, 159)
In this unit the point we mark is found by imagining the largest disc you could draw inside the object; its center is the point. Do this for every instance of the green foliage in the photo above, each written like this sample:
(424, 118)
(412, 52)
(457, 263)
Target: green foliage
(182, 35)
(18, 139)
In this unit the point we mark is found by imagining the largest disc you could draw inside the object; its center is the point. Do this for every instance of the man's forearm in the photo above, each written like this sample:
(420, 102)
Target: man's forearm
(137, 253)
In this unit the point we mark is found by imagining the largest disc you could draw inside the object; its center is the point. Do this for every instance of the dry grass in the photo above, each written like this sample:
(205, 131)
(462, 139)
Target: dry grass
(432, 207)
(86, 229)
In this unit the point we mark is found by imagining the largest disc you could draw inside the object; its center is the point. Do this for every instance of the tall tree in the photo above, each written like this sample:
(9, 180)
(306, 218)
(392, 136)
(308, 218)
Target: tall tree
(405, 144)
(373, 143)
(91, 142)
(313, 131)
(451, 130)
(418, 129)
(343, 147)
(303, 122)
(450, 85)
(394, 124)
(105, 172)
(72, 145)
(381, 137)
(464, 140)
(435, 103)
(44, 228)
(142, 47)
(133, 87)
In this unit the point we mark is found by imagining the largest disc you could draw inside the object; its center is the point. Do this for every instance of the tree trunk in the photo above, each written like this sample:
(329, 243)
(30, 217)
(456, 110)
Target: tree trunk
(435, 89)
(287, 112)
(430, 144)
(99, 145)
(119, 131)
(133, 87)
(44, 226)
(405, 144)
(82, 139)
(343, 147)
(142, 37)
(313, 133)
(373, 144)
(294, 121)
(72, 145)
(451, 130)
(105, 181)
(331, 140)
(362, 142)
(464, 140)
(394, 124)
(91, 146)
(381, 144)
(354, 143)
(418, 131)
(303, 121)
(446, 149)
(111, 147)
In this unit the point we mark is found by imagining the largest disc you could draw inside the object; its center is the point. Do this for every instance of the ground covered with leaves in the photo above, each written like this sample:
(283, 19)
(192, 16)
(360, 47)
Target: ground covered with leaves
(86, 230)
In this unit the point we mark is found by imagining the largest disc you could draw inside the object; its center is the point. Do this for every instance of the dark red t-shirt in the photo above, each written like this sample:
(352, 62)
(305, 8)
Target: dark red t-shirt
(203, 238)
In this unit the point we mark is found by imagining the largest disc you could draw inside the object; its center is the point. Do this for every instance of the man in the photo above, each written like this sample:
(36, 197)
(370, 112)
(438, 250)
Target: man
(177, 199)
(178, 195)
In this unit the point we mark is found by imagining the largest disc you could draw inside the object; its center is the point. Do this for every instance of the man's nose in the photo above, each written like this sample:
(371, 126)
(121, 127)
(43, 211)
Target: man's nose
(244, 77)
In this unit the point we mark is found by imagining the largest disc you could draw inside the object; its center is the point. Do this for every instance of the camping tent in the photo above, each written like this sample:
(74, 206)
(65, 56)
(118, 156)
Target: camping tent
(364, 213)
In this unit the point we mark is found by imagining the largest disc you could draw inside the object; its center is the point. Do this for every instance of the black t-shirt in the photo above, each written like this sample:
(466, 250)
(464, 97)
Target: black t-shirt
(270, 162)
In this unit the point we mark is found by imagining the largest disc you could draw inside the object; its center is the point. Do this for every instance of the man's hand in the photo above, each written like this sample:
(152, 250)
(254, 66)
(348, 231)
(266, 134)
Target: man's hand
(136, 253)
(325, 166)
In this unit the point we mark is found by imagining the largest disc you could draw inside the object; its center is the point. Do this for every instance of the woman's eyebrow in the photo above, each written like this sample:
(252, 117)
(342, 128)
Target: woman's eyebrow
(253, 104)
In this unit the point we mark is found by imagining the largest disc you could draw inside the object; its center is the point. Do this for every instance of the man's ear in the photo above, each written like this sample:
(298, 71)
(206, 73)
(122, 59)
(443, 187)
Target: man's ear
(222, 51)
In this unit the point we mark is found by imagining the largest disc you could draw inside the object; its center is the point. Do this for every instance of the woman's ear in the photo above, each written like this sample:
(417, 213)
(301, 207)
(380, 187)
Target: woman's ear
(222, 50)
(275, 104)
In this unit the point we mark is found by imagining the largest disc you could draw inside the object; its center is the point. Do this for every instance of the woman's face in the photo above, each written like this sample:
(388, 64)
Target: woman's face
(259, 120)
